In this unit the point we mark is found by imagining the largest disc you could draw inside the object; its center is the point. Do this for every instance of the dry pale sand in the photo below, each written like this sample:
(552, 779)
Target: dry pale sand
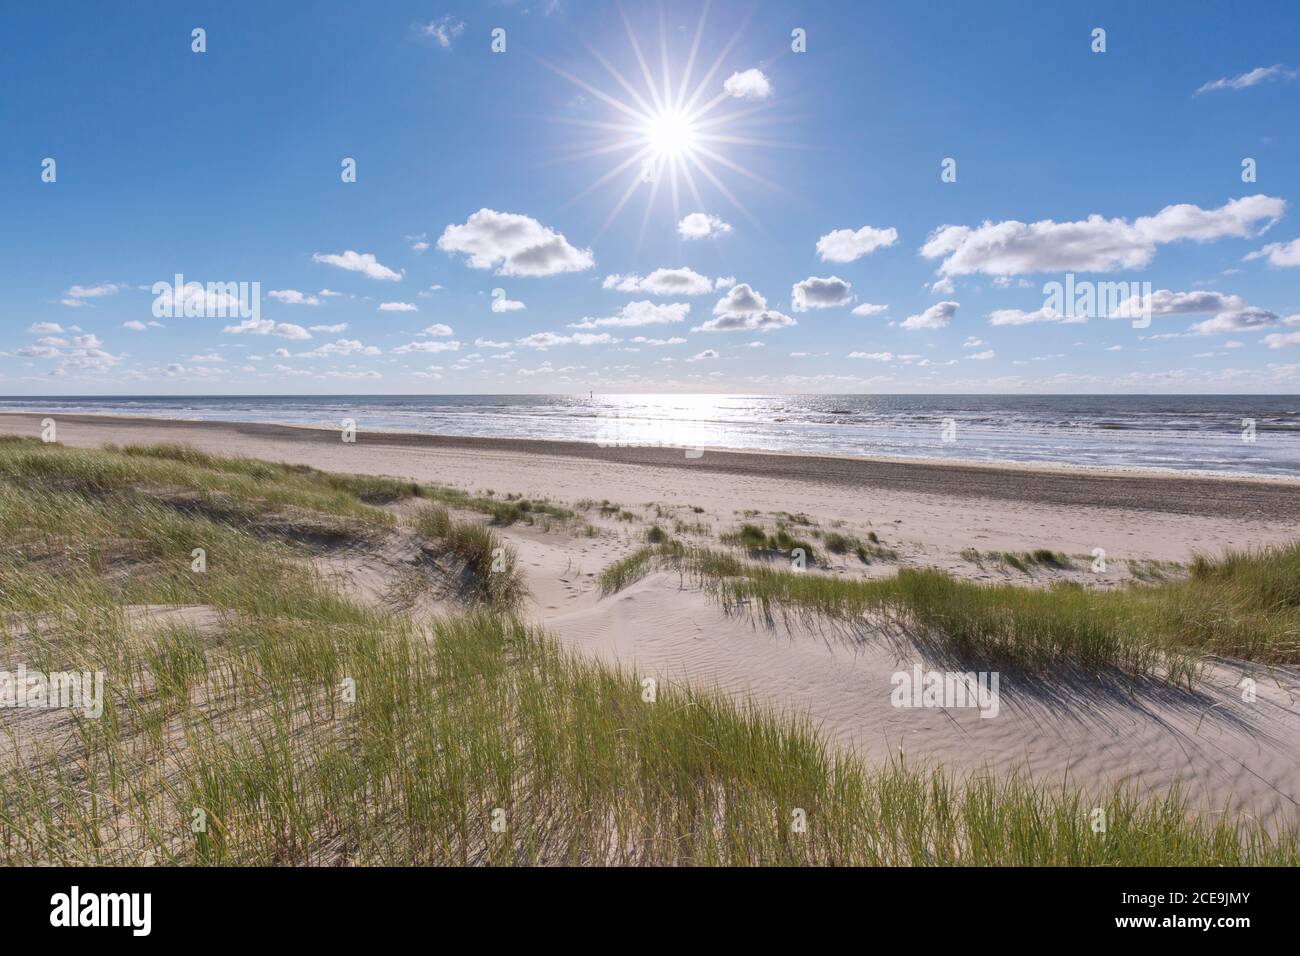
(1220, 750)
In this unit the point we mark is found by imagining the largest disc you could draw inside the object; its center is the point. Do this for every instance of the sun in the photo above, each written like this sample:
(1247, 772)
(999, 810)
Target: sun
(668, 134)
(671, 134)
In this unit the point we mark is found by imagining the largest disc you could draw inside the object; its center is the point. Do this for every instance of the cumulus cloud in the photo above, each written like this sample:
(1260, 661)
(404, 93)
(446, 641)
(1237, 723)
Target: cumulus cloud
(438, 329)
(78, 294)
(293, 297)
(516, 245)
(1094, 244)
(545, 340)
(870, 308)
(752, 84)
(701, 356)
(427, 346)
(639, 313)
(664, 282)
(363, 262)
(817, 293)
(743, 309)
(873, 356)
(658, 343)
(501, 304)
(1278, 340)
(44, 328)
(936, 317)
(1045, 314)
(1250, 78)
(1284, 254)
(1165, 302)
(1246, 319)
(846, 245)
(332, 329)
(982, 356)
(398, 307)
(284, 330)
(341, 347)
(700, 225)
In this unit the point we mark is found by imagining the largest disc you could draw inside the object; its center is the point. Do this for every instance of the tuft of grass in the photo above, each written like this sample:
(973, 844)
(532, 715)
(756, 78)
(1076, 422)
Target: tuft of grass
(490, 565)
(656, 535)
(1242, 605)
(751, 537)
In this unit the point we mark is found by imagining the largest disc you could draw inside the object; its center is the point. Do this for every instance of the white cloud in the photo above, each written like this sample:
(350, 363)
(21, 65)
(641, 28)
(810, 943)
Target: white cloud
(501, 304)
(749, 85)
(982, 356)
(1165, 302)
(44, 328)
(846, 245)
(520, 244)
(546, 340)
(438, 329)
(489, 344)
(818, 293)
(701, 356)
(1246, 319)
(874, 356)
(341, 347)
(363, 262)
(77, 295)
(1277, 340)
(398, 307)
(1018, 317)
(658, 343)
(1284, 254)
(1091, 245)
(284, 330)
(331, 329)
(663, 282)
(293, 297)
(428, 346)
(442, 31)
(700, 225)
(135, 325)
(936, 317)
(639, 313)
(743, 309)
(1250, 78)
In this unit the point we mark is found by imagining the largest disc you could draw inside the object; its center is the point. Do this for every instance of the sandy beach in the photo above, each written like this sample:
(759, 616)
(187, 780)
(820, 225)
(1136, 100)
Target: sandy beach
(1217, 749)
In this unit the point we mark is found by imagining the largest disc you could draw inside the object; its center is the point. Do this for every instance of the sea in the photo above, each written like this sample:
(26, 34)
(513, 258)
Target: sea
(1238, 434)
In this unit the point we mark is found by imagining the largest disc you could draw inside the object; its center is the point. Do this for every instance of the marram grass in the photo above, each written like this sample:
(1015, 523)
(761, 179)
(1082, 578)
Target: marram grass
(289, 725)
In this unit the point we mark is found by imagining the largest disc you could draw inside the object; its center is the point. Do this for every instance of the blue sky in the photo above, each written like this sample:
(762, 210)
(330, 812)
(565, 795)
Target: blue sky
(813, 246)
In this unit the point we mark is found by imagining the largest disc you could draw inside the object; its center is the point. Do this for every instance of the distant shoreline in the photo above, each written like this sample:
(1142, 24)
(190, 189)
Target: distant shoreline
(1172, 492)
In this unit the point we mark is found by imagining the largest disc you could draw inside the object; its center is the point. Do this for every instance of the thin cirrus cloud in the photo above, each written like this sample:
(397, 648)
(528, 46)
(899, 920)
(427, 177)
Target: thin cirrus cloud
(513, 244)
(636, 314)
(1243, 81)
(848, 245)
(819, 293)
(363, 262)
(701, 225)
(662, 282)
(442, 31)
(744, 310)
(1095, 244)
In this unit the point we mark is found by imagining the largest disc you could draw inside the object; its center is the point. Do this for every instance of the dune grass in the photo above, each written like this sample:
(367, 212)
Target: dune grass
(294, 726)
(491, 565)
(1244, 605)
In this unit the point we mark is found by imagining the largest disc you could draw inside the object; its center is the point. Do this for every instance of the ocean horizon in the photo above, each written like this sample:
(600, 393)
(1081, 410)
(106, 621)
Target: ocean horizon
(1233, 434)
